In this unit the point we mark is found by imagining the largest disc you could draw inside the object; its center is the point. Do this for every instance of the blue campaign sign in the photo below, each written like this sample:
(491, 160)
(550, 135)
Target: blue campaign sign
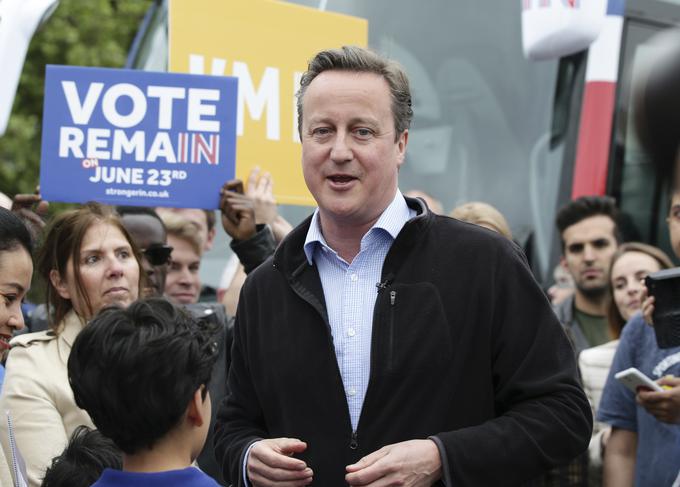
(121, 136)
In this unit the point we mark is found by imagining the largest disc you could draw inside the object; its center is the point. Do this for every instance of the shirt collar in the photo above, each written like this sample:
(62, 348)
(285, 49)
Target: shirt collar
(391, 221)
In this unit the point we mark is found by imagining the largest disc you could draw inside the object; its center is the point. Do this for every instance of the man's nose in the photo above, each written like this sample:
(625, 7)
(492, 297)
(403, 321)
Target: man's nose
(589, 253)
(341, 151)
(185, 277)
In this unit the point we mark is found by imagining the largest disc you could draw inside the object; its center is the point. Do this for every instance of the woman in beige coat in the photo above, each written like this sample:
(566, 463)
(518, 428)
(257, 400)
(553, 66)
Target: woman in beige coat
(88, 262)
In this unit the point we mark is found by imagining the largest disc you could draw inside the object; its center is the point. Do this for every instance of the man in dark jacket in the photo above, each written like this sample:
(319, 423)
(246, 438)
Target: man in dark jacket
(589, 234)
(384, 345)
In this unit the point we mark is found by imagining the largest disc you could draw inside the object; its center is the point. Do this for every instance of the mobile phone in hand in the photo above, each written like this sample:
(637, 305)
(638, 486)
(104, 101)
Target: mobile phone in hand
(633, 379)
(236, 186)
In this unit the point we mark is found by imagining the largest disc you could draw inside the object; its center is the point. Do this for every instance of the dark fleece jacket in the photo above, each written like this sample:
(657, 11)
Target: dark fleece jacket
(465, 350)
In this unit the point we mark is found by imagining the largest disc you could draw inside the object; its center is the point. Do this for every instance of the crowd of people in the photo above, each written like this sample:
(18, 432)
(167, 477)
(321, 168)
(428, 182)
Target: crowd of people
(379, 342)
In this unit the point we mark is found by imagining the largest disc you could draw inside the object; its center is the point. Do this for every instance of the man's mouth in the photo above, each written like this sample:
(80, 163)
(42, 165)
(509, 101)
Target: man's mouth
(591, 273)
(341, 178)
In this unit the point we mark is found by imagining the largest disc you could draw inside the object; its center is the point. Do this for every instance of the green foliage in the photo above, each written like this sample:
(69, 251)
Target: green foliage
(80, 33)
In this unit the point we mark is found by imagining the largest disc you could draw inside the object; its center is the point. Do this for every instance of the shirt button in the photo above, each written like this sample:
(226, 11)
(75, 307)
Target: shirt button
(351, 332)
(354, 277)
(351, 391)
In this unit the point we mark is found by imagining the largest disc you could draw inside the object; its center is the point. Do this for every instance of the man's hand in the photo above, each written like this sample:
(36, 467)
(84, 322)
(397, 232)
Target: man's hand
(32, 208)
(238, 214)
(259, 189)
(270, 464)
(409, 463)
(665, 405)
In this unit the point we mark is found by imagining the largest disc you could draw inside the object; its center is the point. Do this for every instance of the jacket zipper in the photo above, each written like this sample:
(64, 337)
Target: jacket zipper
(304, 295)
(390, 336)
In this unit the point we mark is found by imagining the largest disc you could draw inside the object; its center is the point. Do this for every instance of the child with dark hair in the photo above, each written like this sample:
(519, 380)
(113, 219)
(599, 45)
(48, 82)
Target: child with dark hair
(86, 456)
(142, 375)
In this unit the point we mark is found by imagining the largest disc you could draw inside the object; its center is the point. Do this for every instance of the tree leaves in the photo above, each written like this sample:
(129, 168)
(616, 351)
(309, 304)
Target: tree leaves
(80, 33)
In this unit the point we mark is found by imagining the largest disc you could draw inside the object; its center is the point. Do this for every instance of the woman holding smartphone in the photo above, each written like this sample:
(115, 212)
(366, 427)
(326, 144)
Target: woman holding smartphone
(631, 263)
(642, 449)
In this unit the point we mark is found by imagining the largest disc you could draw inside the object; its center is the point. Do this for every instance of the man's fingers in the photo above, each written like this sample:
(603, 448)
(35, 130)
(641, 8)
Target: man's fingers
(367, 470)
(42, 208)
(669, 380)
(367, 474)
(253, 178)
(260, 183)
(368, 460)
(650, 397)
(290, 446)
(269, 464)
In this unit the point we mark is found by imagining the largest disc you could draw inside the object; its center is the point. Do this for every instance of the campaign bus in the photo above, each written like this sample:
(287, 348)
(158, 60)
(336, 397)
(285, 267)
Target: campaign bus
(522, 104)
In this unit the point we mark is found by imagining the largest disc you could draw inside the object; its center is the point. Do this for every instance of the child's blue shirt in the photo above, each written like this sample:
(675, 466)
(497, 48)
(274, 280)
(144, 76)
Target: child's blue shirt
(188, 477)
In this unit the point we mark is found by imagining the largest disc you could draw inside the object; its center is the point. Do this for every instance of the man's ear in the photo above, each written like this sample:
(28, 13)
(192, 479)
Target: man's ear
(59, 284)
(195, 411)
(401, 147)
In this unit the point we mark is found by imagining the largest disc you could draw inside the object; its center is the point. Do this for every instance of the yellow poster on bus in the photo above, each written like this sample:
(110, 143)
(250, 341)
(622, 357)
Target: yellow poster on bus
(266, 44)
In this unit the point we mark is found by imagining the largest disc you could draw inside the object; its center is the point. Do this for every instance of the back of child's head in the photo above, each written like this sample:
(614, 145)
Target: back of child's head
(136, 370)
(83, 460)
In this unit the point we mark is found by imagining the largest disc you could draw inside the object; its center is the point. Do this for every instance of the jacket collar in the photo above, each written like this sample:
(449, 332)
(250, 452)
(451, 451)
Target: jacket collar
(290, 257)
(70, 328)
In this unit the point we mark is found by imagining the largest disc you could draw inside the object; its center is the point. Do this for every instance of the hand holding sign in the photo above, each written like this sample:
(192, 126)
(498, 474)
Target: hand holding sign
(238, 211)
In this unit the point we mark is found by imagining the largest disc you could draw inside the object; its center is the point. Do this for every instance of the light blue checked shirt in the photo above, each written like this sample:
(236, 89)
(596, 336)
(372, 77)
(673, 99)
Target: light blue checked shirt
(350, 292)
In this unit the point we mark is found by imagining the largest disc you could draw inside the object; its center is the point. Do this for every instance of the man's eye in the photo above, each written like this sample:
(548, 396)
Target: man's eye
(321, 131)
(575, 249)
(9, 299)
(600, 244)
(363, 133)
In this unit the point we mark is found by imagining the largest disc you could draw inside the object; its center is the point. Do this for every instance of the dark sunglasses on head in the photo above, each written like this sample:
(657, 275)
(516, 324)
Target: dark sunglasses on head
(158, 254)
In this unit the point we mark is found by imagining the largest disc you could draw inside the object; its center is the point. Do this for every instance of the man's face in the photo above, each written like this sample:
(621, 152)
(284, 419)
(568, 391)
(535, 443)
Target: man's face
(148, 233)
(674, 223)
(350, 159)
(183, 285)
(588, 249)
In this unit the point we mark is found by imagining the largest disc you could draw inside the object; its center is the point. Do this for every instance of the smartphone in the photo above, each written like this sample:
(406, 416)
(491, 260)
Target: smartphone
(633, 379)
(236, 186)
(665, 287)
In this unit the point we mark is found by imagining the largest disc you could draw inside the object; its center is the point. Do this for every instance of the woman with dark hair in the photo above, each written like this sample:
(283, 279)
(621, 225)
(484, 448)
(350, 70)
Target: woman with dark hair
(16, 269)
(88, 262)
(631, 263)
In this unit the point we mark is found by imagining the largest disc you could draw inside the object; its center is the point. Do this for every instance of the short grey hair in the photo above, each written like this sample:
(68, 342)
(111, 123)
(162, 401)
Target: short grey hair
(361, 60)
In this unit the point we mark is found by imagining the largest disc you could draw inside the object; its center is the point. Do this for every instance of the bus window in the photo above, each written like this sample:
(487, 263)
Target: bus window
(642, 198)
